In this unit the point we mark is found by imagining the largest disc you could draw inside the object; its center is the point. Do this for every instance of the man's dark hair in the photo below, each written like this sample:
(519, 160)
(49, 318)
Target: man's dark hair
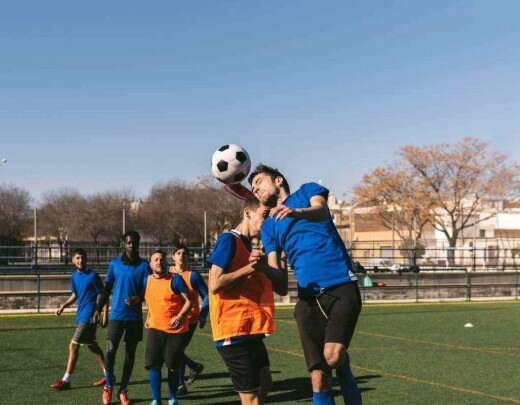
(160, 251)
(133, 234)
(271, 172)
(179, 247)
(79, 251)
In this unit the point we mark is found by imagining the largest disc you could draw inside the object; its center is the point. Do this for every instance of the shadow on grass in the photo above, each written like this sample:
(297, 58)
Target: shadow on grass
(289, 390)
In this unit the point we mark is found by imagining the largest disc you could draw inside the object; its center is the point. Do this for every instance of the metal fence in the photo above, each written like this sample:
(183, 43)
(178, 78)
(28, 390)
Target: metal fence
(477, 255)
(54, 254)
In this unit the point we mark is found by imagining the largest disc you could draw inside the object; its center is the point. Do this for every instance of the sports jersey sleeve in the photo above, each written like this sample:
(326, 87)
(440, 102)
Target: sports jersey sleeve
(109, 279)
(310, 190)
(98, 284)
(73, 286)
(178, 285)
(224, 251)
(198, 283)
(268, 237)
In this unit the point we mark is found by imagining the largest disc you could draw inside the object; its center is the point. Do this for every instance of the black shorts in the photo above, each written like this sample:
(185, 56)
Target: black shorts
(245, 361)
(85, 333)
(164, 347)
(329, 317)
(133, 331)
(190, 333)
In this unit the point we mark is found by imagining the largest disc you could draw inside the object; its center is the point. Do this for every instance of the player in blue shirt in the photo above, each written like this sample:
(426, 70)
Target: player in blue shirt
(85, 285)
(126, 280)
(329, 302)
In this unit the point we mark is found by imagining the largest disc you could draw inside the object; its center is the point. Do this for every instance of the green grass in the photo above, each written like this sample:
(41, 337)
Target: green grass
(413, 354)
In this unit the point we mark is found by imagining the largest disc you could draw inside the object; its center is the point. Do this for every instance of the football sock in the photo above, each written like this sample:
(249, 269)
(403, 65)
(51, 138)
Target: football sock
(181, 371)
(66, 377)
(190, 363)
(154, 375)
(349, 387)
(323, 398)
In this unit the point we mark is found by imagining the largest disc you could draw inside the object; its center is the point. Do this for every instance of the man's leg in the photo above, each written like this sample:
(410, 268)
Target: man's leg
(114, 335)
(128, 366)
(342, 321)
(173, 354)
(321, 381)
(94, 348)
(73, 358)
(311, 328)
(266, 383)
(250, 398)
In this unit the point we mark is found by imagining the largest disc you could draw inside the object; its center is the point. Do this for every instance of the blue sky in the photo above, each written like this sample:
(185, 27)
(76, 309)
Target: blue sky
(102, 95)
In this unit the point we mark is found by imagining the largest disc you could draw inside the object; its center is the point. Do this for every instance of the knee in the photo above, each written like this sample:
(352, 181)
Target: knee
(73, 347)
(333, 356)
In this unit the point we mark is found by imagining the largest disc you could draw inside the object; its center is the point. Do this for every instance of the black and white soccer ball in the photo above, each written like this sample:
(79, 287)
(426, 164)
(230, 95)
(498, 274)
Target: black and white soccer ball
(230, 164)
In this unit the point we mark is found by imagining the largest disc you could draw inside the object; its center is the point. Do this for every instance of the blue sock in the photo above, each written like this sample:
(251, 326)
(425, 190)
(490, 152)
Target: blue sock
(172, 384)
(349, 387)
(154, 374)
(323, 398)
(109, 379)
(181, 372)
(190, 363)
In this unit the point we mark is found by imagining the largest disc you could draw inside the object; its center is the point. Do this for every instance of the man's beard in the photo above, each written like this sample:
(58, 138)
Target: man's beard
(272, 201)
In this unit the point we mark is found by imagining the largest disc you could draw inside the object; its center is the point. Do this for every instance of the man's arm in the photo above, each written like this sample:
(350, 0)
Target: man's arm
(198, 282)
(178, 318)
(219, 280)
(274, 268)
(66, 304)
(318, 210)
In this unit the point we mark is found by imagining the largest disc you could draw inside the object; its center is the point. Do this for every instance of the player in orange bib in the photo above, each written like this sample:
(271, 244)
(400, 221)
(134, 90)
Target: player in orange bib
(197, 316)
(242, 304)
(168, 304)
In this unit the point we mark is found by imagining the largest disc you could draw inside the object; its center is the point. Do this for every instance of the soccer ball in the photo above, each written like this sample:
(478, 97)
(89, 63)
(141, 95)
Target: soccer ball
(230, 164)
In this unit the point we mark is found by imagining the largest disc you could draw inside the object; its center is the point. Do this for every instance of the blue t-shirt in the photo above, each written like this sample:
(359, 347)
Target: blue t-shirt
(178, 285)
(314, 249)
(126, 280)
(224, 249)
(86, 285)
(197, 282)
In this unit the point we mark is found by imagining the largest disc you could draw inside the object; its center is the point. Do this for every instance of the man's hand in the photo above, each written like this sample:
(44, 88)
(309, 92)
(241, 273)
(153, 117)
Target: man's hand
(255, 256)
(95, 317)
(281, 211)
(133, 300)
(202, 323)
(59, 311)
(176, 321)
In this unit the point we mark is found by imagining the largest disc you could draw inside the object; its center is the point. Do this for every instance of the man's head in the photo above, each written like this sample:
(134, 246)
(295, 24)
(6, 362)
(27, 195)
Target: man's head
(254, 213)
(158, 262)
(79, 258)
(131, 241)
(180, 255)
(267, 183)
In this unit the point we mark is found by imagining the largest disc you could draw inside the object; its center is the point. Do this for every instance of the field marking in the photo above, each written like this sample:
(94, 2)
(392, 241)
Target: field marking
(502, 352)
(414, 380)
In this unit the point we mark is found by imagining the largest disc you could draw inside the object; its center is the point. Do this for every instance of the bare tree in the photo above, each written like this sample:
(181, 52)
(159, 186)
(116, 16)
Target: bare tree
(174, 211)
(60, 214)
(446, 185)
(15, 212)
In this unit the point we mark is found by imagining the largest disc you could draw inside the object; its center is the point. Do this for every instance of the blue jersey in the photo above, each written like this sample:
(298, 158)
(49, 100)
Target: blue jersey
(86, 285)
(198, 283)
(224, 249)
(126, 280)
(314, 249)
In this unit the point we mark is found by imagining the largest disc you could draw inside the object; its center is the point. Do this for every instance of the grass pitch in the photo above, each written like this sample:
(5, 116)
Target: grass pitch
(412, 354)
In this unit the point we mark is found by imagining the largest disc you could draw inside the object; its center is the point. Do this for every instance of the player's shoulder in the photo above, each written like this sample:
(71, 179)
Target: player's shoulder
(225, 238)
